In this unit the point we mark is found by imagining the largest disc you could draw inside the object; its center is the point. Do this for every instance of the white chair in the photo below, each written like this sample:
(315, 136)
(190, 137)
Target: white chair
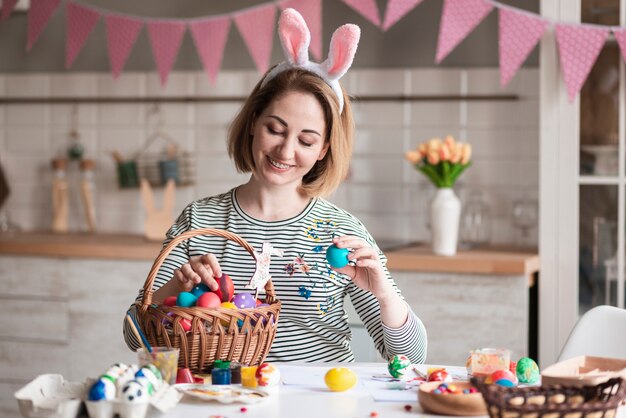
(600, 332)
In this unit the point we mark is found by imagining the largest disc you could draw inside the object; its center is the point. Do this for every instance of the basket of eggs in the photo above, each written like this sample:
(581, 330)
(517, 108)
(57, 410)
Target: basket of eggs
(207, 326)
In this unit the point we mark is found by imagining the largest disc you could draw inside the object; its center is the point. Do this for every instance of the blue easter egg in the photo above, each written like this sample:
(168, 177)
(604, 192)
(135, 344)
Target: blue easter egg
(200, 289)
(186, 299)
(337, 257)
(102, 389)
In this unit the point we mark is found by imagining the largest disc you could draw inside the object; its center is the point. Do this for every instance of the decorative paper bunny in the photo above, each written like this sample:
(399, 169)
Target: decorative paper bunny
(295, 38)
(262, 272)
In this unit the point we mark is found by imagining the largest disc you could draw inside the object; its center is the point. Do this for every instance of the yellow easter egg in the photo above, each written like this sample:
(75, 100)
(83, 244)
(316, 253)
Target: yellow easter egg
(340, 379)
(227, 305)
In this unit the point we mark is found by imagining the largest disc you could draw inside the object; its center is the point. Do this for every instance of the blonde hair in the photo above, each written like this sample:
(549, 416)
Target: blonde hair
(327, 173)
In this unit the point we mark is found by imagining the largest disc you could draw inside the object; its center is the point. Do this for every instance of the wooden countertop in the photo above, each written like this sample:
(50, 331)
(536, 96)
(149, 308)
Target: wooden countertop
(417, 258)
(101, 246)
(491, 260)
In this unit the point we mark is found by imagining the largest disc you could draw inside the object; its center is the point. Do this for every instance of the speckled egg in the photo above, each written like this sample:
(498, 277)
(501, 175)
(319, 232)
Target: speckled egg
(267, 375)
(527, 370)
(244, 300)
(398, 366)
(340, 379)
(337, 257)
(134, 391)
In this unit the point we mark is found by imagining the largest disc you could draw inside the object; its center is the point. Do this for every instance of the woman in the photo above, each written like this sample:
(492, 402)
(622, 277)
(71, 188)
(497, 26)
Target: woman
(294, 134)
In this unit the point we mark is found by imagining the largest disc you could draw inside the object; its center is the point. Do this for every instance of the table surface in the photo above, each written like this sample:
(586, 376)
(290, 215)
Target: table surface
(302, 394)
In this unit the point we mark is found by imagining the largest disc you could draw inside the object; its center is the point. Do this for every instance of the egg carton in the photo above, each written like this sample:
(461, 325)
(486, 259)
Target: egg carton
(51, 396)
(164, 399)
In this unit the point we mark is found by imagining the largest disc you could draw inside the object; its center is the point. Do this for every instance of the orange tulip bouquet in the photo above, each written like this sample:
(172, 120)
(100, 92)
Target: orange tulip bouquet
(441, 161)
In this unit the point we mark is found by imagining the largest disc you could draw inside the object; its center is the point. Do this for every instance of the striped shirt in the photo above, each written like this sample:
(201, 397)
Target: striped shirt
(313, 325)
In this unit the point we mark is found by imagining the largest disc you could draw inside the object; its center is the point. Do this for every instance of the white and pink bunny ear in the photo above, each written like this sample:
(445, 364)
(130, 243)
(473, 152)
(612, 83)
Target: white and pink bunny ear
(343, 46)
(295, 37)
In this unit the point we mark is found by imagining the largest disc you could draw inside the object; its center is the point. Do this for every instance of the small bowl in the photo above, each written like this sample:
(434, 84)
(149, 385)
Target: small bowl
(470, 404)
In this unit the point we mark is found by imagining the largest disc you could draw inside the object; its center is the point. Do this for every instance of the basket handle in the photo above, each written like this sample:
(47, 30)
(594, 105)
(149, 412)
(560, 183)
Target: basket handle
(147, 287)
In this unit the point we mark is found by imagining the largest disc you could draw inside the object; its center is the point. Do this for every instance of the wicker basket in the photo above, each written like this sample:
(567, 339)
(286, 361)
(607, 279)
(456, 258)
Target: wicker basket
(599, 401)
(242, 335)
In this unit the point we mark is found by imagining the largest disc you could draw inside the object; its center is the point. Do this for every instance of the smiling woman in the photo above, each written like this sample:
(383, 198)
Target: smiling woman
(294, 135)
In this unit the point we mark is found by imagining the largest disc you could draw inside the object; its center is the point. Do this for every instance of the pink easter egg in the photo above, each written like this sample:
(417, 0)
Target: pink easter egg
(208, 300)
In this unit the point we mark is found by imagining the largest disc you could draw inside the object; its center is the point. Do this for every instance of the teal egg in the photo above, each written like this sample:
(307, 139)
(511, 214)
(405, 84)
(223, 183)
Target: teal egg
(337, 257)
(527, 370)
(186, 299)
(200, 289)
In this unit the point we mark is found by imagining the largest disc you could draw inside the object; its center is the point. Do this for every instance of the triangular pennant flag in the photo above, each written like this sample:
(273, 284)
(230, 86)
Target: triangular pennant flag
(519, 33)
(39, 13)
(579, 47)
(257, 30)
(458, 19)
(7, 8)
(210, 38)
(121, 36)
(80, 22)
(366, 8)
(311, 11)
(165, 39)
(620, 36)
(396, 10)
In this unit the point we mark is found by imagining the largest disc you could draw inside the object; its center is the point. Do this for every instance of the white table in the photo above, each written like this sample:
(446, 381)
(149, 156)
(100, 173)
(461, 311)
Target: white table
(311, 398)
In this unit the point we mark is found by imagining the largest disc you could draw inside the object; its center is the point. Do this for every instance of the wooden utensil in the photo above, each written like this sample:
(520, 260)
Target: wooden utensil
(469, 404)
(60, 198)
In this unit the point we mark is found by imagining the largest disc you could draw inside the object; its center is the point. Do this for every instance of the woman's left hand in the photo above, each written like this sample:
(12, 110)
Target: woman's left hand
(368, 274)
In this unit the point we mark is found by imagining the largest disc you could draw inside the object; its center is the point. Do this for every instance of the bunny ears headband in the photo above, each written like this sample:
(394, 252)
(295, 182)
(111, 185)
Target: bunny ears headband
(295, 38)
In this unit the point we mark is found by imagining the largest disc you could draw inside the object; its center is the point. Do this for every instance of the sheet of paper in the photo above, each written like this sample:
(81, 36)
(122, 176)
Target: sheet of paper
(303, 375)
(388, 391)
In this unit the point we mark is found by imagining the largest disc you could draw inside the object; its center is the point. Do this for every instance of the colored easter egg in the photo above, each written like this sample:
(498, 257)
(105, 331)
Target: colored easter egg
(186, 324)
(337, 257)
(170, 301)
(527, 370)
(102, 389)
(227, 305)
(340, 379)
(438, 375)
(200, 289)
(155, 370)
(398, 366)
(267, 375)
(502, 378)
(208, 300)
(134, 391)
(226, 289)
(263, 320)
(147, 373)
(186, 299)
(244, 300)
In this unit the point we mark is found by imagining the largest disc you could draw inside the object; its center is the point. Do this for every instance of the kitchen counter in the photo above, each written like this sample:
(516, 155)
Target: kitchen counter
(413, 257)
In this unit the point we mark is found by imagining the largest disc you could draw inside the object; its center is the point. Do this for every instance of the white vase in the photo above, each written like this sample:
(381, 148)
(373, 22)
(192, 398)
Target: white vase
(445, 214)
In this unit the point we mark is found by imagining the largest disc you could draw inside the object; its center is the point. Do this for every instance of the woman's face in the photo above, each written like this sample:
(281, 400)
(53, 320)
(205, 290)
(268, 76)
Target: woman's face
(288, 139)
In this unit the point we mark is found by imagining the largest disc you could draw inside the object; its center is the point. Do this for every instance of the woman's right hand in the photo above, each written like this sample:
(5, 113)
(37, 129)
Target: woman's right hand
(200, 269)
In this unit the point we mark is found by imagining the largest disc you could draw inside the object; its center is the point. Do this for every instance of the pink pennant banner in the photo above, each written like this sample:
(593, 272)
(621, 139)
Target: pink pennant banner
(7, 8)
(579, 47)
(519, 33)
(458, 19)
(257, 30)
(165, 39)
(311, 11)
(210, 38)
(39, 13)
(396, 10)
(121, 36)
(620, 36)
(366, 8)
(80, 22)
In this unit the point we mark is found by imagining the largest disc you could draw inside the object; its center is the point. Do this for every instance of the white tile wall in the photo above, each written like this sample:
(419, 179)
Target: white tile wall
(389, 196)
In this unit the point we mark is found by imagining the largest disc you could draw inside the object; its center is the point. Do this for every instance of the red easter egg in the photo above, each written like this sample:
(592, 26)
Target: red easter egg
(170, 301)
(438, 375)
(208, 300)
(502, 377)
(226, 289)
(186, 324)
(258, 302)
